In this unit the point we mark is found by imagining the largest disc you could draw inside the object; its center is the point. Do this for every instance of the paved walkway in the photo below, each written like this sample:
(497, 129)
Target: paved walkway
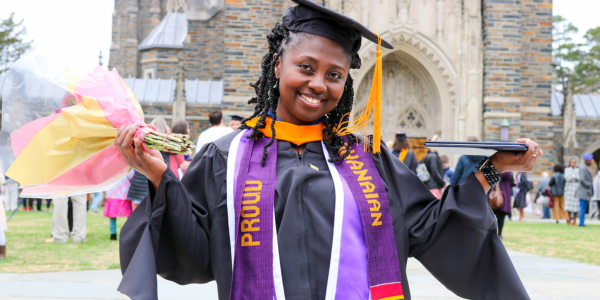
(544, 278)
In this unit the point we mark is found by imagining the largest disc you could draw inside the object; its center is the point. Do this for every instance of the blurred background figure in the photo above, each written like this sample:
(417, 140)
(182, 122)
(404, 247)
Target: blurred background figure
(543, 184)
(571, 202)
(401, 149)
(174, 161)
(96, 198)
(28, 204)
(182, 161)
(117, 204)
(505, 185)
(3, 226)
(584, 190)
(595, 203)
(434, 167)
(60, 227)
(466, 165)
(236, 121)
(521, 200)
(216, 131)
(557, 188)
(11, 197)
(138, 189)
(446, 169)
(161, 125)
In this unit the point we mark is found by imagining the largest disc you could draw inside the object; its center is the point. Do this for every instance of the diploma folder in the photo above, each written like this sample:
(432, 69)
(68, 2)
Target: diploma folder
(476, 148)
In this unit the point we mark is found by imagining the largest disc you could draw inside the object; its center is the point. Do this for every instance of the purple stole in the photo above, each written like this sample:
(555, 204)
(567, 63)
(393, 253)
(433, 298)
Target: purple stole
(364, 259)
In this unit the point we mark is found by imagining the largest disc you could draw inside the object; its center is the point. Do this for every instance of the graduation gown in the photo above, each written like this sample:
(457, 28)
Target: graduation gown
(410, 160)
(180, 232)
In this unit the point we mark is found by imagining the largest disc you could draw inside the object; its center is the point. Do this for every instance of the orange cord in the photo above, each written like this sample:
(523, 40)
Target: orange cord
(373, 106)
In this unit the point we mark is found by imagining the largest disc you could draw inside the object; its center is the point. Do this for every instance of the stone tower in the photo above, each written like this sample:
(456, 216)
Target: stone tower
(517, 38)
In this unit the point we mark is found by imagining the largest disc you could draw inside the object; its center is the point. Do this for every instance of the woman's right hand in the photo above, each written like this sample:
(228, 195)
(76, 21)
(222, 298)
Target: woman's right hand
(149, 162)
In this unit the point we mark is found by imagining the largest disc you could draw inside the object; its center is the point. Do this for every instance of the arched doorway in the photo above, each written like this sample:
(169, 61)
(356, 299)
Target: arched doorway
(420, 87)
(410, 101)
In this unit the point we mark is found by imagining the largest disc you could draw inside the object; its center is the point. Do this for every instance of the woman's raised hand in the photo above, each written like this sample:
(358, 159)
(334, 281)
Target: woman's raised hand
(149, 163)
(518, 162)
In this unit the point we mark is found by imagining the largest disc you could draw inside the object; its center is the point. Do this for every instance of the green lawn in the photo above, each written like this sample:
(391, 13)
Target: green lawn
(576, 243)
(27, 251)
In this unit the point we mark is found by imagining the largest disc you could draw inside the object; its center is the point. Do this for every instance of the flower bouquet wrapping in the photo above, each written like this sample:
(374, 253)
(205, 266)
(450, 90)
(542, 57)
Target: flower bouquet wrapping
(59, 125)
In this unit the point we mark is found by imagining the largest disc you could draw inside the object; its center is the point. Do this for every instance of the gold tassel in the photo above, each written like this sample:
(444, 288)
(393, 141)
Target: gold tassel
(363, 120)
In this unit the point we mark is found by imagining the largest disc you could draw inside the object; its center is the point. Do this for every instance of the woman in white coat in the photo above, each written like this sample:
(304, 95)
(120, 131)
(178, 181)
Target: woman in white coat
(571, 202)
(595, 203)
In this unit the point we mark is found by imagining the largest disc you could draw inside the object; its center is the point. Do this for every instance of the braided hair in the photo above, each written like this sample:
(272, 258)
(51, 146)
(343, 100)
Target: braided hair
(267, 96)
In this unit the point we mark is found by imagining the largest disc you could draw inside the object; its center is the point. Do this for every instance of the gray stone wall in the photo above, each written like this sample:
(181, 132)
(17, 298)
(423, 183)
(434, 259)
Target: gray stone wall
(163, 61)
(517, 71)
(205, 52)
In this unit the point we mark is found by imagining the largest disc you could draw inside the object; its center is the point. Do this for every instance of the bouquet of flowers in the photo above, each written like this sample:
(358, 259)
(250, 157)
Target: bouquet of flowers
(59, 125)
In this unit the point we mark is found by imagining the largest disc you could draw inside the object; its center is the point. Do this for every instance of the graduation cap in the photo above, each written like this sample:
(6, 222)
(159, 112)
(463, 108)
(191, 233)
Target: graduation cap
(400, 137)
(314, 18)
(236, 117)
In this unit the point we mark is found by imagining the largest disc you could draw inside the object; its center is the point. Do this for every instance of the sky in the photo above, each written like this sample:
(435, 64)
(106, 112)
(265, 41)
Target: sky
(73, 32)
(69, 32)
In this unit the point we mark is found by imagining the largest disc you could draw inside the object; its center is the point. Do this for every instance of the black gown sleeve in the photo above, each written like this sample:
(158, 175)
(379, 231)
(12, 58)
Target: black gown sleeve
(455, 237)
(168, 234)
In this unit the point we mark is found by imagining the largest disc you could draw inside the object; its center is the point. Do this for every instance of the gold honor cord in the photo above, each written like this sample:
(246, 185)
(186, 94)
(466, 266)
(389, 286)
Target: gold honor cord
(373, 106)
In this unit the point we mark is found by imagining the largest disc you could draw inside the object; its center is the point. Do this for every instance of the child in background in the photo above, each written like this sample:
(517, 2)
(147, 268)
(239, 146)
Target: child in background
(117, 204)
(179, 162)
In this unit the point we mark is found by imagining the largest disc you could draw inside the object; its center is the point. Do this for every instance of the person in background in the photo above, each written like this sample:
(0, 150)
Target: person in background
(216, 131)
(584, 191)
(96, 198)
(571, 202)
(178, 162)
(3, 226)
(236, 121)
(11, 198)
(60, 227)
(173, 160)
(505, 185)
(543, 184)
(523, 188)
(138, 189)
(595, 203)
(117, 204)
(389, 145)
(557, 188)
(466, 165)
(161, 125)
(447, 171)
(434, 167)
(28, 204)
(401, 149)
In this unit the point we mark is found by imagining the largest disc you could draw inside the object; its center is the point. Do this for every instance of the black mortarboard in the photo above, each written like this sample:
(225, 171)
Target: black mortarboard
(236, 117)
(314, 18)
(401, 136)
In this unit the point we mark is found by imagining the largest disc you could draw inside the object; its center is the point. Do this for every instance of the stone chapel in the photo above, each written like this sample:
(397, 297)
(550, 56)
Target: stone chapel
(458, 67)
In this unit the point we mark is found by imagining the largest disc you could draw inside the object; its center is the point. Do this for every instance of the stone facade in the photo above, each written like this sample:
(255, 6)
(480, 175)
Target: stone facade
(518, 71)
(459, 67)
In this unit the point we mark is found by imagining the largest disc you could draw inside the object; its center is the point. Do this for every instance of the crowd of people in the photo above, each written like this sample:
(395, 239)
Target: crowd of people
(70, 213)
(574, 190)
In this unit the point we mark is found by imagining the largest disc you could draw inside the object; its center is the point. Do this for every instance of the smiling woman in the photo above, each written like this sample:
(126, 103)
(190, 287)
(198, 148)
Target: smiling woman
(291, 205)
